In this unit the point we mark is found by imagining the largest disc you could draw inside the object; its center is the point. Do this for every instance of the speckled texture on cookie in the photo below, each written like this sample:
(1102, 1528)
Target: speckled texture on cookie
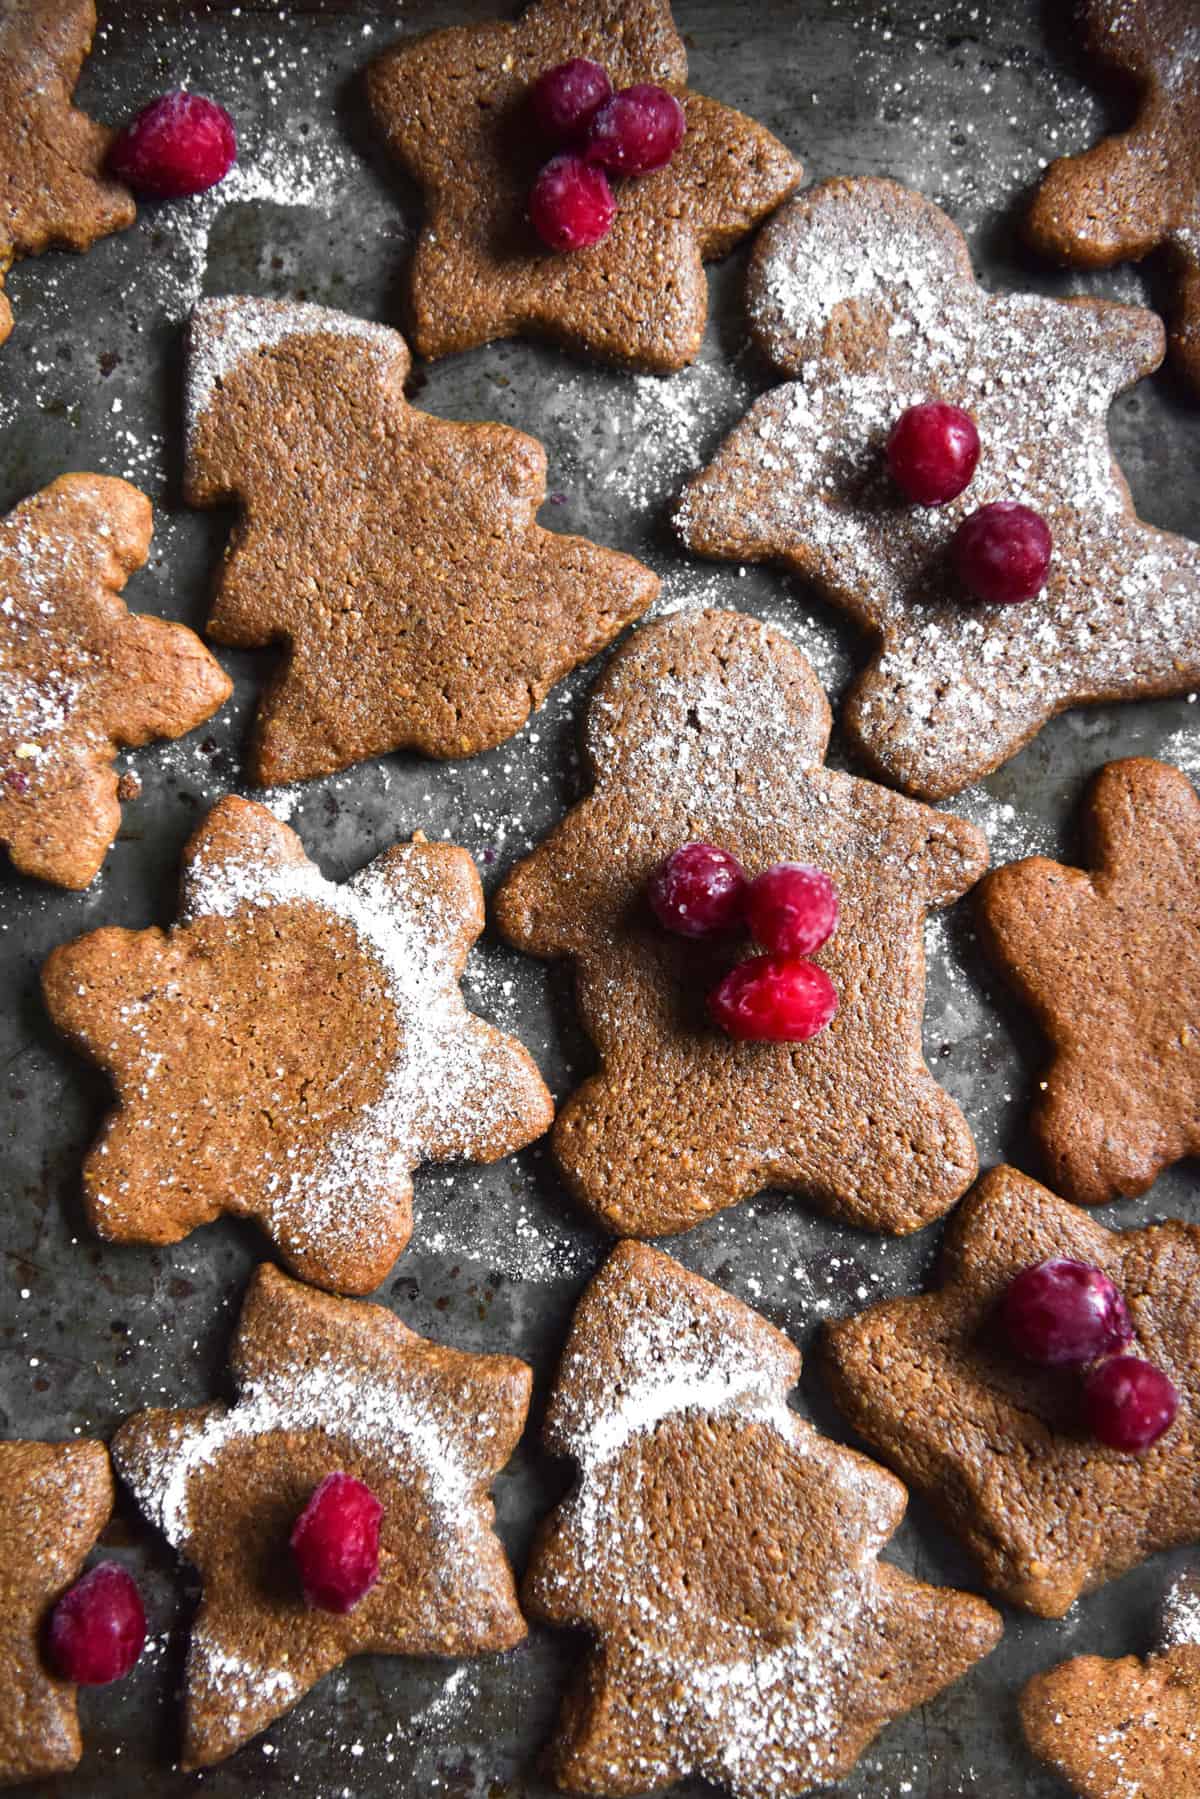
(863, 293)
(395, 556)
(1109, 962)
(326, 1385)
(54, 191)
(722, 1555)
(997, 1444)
(55, 1499)
(713, 726)
(292, 1049)
(1138, 190)
(453, 106)
(80, 675)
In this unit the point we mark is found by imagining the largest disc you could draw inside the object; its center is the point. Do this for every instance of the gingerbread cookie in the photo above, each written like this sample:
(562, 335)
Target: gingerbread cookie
(54, 191)
(723, 1555)
(995, 1442)
(1109, 961)
(864, 294)
(329, 1386)
(1139, 190)
(292, 1049)
(713, 726)
(80, 676)
(1116, 1729)
(395, 555)
(55, 1499)
(454, 106)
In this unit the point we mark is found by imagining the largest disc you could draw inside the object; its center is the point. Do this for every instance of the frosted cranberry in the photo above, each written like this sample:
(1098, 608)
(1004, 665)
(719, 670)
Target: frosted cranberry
(639, 129)
(932, 452)
(698, 891)
(564, 98)
(335, 1543)
(1128, 1403)
(98, 1628)
(571, 204)
(792, 908)
(1002, 552)
(773, 999)
(1063, 1313)
(180, 144)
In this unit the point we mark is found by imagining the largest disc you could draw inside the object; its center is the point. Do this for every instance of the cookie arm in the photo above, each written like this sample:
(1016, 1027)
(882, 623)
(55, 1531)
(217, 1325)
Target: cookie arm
(539, 907)
(1104, 206)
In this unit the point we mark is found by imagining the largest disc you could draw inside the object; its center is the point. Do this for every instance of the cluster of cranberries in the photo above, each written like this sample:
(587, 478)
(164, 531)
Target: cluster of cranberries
(790, 910)
(1001, 552)
(1064, 1314)
(597, 134)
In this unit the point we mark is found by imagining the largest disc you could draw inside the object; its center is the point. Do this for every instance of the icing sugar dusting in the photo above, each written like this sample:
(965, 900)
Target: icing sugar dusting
(1181, 1612)
(34, 713)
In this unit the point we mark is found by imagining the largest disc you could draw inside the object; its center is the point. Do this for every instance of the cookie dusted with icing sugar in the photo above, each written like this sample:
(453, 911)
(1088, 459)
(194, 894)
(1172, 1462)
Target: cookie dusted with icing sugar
(329, 1386)
(80, 676)
(1127, 1729)
(713, 726)
(395, 556)
(1140, 189)
(55, 1499)
(292, 1049)
(722, 1555)
(1108, 959)
(453, 106)
(995, 1442)
(863, 294)
(54, 192)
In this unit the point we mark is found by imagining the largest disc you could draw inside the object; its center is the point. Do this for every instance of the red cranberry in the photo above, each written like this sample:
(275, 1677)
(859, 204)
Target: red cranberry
(698, 891)
(1128, 1403)
(571, 204)
(1063, 1313)
(792, 908)
(98, 1628)
(1002, 552)
(335, 1543)
(639, 129)
(932, 452)
(180, 144)
(565, 98)
(773, 999)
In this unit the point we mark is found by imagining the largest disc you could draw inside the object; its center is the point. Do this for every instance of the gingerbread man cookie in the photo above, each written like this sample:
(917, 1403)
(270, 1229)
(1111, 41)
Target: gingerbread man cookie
(292, 1049)
(80, 676)
(863, 293)
(713, 726)
(1113, 1729)
(995, 1442)
(55, 1499)
(329, 1386)
(54, 190)
(1109, 961)
(394, 555)
(1139, 190)
(454, 107)
(723, 1556)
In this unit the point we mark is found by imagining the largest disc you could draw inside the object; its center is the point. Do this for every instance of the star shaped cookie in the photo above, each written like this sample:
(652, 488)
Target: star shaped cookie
(395, 556)
(1116, 1729)
(712, 726)
(329, 1385)
(863, 294)
(80, 676)
(453, 106)
(997, 1444)
(1109, 961)
(55, 1499)
(1140, 189)
(722, 1555)
(54, 191)
(292, 1049)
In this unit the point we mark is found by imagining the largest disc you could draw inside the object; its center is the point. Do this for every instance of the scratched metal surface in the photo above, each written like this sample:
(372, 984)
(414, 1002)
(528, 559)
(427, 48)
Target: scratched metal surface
(965, 99)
